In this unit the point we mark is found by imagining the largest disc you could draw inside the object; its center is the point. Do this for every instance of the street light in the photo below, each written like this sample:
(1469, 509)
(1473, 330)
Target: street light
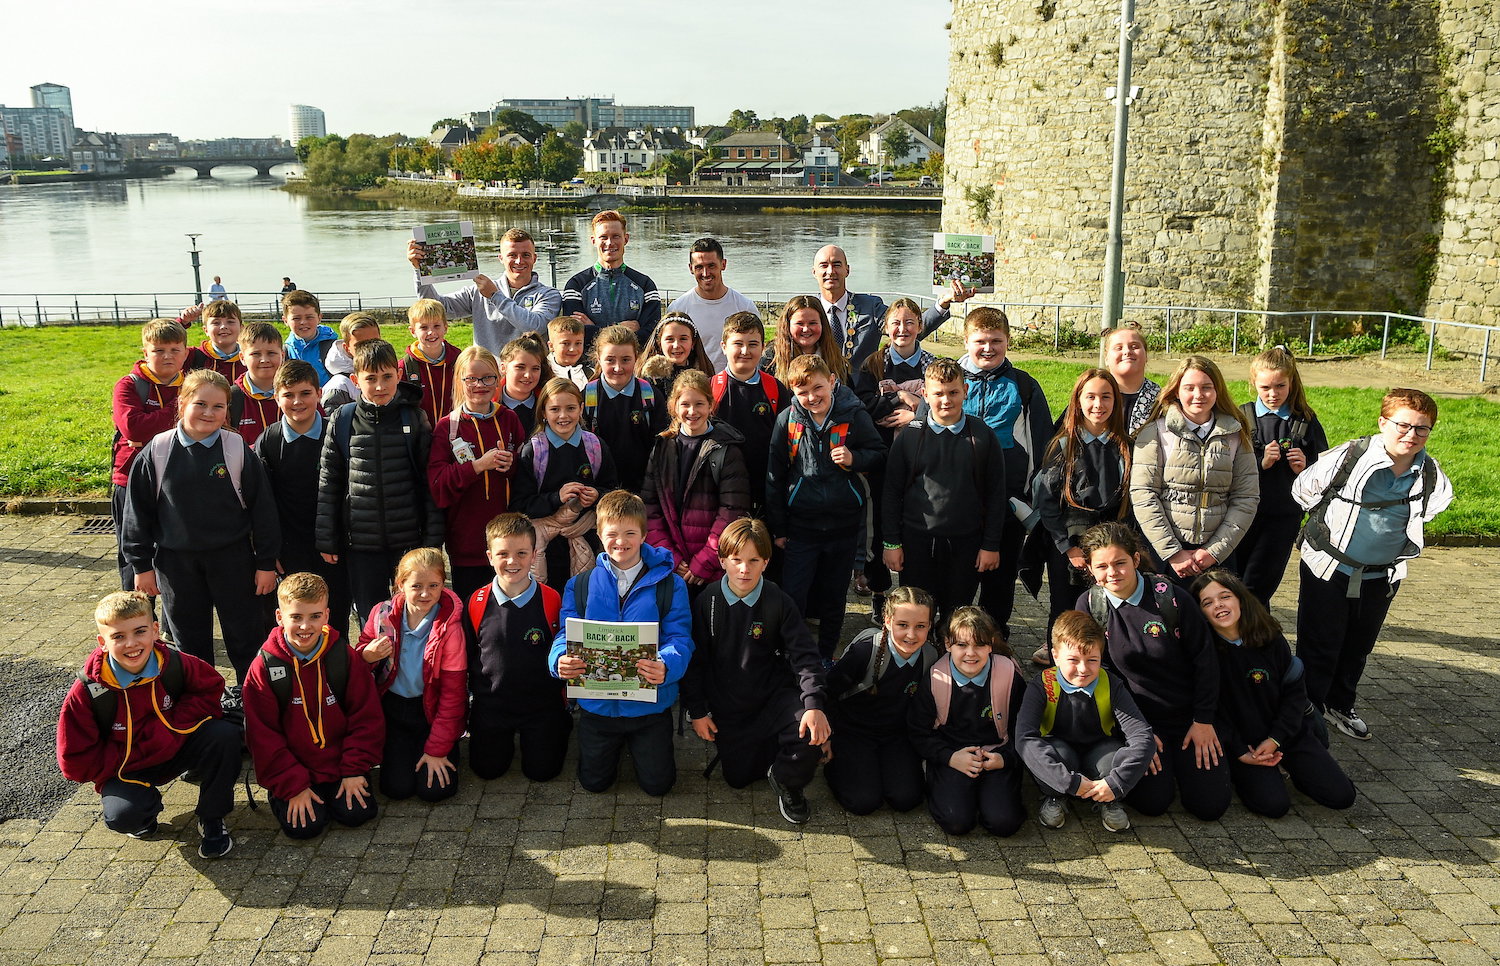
(197, 268)
(1122, 94)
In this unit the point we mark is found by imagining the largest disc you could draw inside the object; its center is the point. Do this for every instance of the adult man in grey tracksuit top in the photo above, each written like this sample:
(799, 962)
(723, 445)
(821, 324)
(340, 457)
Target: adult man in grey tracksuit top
(502, 310)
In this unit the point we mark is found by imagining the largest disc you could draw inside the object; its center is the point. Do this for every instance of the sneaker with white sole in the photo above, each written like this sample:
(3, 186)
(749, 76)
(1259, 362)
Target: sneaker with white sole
(216, 839)
(1053, 813)
(791, 801)
(1112, 814)
(145, 831)
(1349, 722)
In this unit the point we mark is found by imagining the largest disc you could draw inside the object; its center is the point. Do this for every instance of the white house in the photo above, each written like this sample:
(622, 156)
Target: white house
(921, 146)
(628, 151)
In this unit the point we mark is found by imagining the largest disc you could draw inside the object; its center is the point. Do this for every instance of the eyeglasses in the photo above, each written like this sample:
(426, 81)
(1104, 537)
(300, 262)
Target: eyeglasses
(480, 380)
(1420, 432)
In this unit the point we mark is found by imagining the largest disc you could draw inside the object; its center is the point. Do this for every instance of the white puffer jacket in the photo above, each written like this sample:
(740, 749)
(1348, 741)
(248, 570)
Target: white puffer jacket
(1190, 492)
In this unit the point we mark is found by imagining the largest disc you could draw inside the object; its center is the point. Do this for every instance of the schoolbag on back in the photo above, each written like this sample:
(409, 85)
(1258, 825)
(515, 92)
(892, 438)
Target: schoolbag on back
(105, 700)
(1001, 682)
(335, 661)
(1161, 592)
(880, 656)
(160, 448)
(664, 593)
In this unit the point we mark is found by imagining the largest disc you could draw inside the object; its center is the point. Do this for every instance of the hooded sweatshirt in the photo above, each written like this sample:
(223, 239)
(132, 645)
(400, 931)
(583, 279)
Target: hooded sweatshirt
(150, 725)
(806, 491)
(319, 736)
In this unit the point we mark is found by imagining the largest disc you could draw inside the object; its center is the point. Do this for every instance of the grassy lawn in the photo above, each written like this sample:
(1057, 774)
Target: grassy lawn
(56, 385)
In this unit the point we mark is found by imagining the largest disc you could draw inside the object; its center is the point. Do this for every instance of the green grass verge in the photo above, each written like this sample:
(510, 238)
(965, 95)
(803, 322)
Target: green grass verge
(56, 385)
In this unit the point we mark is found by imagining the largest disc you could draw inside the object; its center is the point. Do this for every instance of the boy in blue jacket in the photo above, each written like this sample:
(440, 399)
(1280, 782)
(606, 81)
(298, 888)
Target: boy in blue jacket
(815, 496)
(624, 586)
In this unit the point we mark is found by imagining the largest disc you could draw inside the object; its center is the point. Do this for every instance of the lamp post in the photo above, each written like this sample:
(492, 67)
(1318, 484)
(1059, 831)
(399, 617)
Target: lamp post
(197, 269)
(1123, 95)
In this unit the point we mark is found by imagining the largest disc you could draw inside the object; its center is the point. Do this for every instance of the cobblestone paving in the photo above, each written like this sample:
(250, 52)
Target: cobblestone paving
(514, 873)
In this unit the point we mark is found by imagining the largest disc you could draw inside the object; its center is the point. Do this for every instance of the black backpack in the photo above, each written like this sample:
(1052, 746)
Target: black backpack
(106, 700)
(664, 593)
(335, 662)
(1161, 589)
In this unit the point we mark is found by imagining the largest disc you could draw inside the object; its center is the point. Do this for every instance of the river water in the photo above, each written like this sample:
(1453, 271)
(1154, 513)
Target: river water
(130, 237)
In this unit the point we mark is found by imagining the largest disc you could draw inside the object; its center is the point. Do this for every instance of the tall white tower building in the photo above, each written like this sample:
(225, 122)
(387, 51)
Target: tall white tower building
(305, 121)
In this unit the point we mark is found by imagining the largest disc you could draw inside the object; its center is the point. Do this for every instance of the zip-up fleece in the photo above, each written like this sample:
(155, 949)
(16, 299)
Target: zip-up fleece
(150, 726)
(445, 667)
(316, 737)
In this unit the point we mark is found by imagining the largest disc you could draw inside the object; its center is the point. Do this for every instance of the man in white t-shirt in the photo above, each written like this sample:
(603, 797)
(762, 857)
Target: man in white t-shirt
(710, 301)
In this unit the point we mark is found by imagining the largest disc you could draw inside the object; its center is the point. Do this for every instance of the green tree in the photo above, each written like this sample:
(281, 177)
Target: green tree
(933, 166)
(353, 163)
(561, 158)
(852, 128)
(673, 165)
(445, 122)
(743, 120)
(520, 123)
(931, 119)
(574, 131)
(894, 144)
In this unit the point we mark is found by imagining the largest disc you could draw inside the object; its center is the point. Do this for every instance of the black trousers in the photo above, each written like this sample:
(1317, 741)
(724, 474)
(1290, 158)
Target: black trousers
(1204, 791)
(195, 584)
(1091, 761)
(748, 747)
(1064, 584)
(493, 736)
(601, 740)
(1336, 633)
(945, 568)
(868, 771)
(817, 569)
(331, 809)
(958, 802)
(1312, 769)
(370, 576)
(997, 588)
(1262, 555)
(406, 731)
(213, 750)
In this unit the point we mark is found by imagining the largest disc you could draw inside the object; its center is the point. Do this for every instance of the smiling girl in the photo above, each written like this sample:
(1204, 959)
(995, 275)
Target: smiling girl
(1193, 478)
(416, 644)
(803, 330)
(695, 483)
(525, 370)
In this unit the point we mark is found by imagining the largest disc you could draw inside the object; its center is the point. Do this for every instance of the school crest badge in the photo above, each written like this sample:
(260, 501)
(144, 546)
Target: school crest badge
(1258, 675)
(757, 630)
(911, 689)
(585, 472)
(219, 472)
(533, 636)
(988, 712)
(1155, 628)
(166, 702)
(635, 418)
(761, 409)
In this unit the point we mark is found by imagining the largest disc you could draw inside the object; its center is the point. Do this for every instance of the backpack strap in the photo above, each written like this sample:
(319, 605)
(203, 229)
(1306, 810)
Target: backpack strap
(1099, 607)
(343, 427)
(477, 602)
(105, 701)
(1248, 410)
(581, 592)
(771, 386)
(719, 385)
(665, 591)
(1166, 601)
(874, 667)
(1002, 680)
(593, 452)
(793, 438)
(940, 679)
(591, 397)
(552, 607)
(648, 394)
(335, 661)
(541, 452)
(234, 458)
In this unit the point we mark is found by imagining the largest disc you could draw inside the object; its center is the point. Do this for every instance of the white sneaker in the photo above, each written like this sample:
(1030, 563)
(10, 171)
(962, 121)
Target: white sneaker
(1349, 722)
(1053, 813)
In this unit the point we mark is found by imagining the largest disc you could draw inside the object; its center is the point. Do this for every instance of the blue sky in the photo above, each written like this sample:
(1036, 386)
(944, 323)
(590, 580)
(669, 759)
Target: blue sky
(211, 68)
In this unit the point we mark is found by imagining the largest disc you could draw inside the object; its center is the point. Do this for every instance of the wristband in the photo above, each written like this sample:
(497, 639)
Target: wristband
(891, 546)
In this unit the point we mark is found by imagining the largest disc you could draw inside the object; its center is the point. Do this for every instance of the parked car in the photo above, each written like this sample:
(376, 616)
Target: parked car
(926, 182)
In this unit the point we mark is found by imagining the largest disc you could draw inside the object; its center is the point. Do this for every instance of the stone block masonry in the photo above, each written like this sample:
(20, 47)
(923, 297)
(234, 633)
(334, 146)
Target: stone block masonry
(1285, 154)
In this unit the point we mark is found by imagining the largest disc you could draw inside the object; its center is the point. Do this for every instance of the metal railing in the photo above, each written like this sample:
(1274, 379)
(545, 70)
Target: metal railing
(1069, 322)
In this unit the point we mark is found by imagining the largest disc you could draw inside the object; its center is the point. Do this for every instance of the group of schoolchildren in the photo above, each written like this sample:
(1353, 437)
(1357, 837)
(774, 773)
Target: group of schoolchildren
(316, 471)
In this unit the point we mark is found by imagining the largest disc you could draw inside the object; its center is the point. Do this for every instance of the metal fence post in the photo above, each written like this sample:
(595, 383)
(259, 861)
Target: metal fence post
(1057, 330)
(1385, 337)
(156, 306)
(1484, 355)
(117, 310)
(1234, 334)
(1312, 332)
(77, 315)
(1168, 349)
(38, 311)
(1431, 340)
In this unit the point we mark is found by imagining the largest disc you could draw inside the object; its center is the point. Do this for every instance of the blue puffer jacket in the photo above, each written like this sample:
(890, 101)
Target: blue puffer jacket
(1012, 404)
(675, 638)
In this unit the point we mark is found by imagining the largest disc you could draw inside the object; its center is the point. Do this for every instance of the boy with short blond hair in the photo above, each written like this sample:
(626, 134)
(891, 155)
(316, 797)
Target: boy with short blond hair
(747, 397)
(312, 717)
(1080, 731)
(635, 582)
(252, 397)
(945, 506)
(310, 340)
(1012, 404)
(565, 342)
(431, 360)
(355, 328)
(609, 292)
(510, 623)
(373, 500)
(144, 404)
(814, 502)
(220, 351)
(140, 714)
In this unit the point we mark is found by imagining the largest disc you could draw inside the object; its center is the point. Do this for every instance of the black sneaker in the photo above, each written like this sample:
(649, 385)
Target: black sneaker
(145, 831)
(1349, 722)
(230, 701)
(216, 840)
(791, 801)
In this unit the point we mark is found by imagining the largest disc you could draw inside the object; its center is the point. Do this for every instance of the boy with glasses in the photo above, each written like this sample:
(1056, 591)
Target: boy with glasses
(1366, 503)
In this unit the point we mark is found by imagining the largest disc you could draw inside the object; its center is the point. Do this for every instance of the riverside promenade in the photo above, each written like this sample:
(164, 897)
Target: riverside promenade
(510, 872)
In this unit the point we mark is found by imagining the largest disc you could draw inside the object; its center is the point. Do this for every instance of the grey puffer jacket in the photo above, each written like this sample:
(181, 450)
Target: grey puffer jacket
(373, 497)
(1188, 492)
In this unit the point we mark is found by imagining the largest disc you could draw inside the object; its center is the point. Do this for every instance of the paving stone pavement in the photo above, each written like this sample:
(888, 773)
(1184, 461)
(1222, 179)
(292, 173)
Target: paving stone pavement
(511, 872)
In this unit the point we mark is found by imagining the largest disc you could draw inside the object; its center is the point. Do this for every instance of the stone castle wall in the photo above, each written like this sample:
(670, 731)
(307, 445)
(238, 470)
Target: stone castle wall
(1281, 155)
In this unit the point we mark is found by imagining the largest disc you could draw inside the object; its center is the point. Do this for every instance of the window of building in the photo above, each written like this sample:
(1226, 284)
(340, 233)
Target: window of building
(757, 152)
